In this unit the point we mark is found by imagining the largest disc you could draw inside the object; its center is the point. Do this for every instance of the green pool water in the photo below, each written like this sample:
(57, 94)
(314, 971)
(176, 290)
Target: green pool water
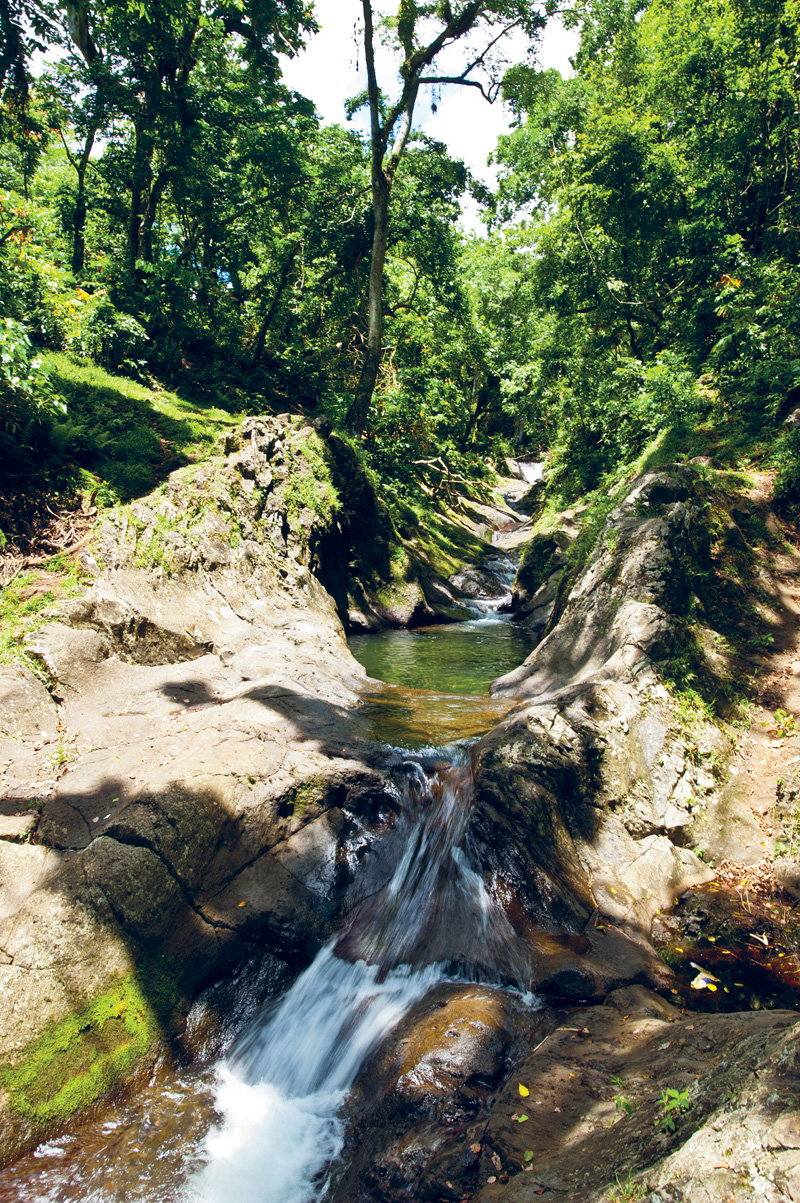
(457, 658)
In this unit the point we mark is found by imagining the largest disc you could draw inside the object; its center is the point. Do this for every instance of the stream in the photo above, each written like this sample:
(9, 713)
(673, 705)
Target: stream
(266, 1123)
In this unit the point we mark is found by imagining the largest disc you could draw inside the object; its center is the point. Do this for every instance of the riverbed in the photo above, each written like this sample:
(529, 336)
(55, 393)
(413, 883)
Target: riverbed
(264, 1121)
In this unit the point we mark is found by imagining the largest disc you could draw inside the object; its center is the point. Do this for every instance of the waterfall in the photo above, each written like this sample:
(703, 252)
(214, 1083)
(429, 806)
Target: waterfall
(280, 1092)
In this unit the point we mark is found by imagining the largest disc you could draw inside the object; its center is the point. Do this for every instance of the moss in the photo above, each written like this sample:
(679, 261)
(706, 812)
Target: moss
(310, 484)
(300, 797)
(23, 608)
(78, 1059)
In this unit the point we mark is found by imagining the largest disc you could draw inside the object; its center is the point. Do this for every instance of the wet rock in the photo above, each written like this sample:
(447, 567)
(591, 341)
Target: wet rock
(419, 1102)
(580, 1139)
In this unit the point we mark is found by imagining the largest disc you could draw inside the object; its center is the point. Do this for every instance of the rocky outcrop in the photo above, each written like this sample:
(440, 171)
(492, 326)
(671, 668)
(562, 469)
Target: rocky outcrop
(424, 1097)
(191, 778)
(622, 612)
(597, 1116)
(536, 584)
(588, 789)
(582, 1113)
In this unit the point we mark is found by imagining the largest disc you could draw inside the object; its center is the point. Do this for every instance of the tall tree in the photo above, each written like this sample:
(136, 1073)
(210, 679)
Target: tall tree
(421, 33)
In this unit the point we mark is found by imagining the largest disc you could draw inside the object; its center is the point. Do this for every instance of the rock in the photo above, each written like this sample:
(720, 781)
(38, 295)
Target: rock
(620, 614)
(536, 584)
(548, 782)
(581, 1143)
(425, 1094)
(204, 777)
(18, 828)
(787, 875)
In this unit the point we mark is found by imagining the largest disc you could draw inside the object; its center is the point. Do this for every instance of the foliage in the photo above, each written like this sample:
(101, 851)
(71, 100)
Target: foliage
(622, 1103)
(169, 208)
(28, 401)
(650, 205)
(673, 1104)
(24, 608)
(626, 1191)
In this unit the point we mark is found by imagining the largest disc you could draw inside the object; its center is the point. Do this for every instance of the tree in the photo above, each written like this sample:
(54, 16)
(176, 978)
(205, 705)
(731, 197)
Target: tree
(422, 32)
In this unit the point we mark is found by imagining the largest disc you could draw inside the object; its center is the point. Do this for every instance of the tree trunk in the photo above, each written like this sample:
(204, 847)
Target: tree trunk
(359, 407)
(150, 211)
(479, 400)
(79, 219)
(261, 337)
(140, 183)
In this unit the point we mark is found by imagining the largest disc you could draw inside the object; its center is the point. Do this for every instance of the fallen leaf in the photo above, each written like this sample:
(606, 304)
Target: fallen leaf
(496, 1162)
(523, 1090)
(242, 904)
(704, 981)
(529, 1154)
(521, 1119)
(492, 1179)
(476, 1148)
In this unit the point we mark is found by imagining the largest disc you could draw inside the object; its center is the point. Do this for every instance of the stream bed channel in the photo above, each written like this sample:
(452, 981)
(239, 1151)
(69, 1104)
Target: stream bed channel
(264, 1122)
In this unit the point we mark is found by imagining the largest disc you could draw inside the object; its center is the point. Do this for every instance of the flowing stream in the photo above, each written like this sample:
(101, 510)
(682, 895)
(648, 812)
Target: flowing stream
(265, 1125)
(281, 1089)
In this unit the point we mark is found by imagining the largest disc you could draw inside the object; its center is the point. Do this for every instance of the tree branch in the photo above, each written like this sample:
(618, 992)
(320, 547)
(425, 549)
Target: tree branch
(490, 96)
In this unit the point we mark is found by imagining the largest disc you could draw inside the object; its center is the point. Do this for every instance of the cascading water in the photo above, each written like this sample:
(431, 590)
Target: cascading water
(280, 1092)
(267, 1125)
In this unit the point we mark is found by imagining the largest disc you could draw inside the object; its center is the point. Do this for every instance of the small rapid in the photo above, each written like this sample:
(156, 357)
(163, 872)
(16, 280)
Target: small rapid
(281, 1089)
(266, 1123)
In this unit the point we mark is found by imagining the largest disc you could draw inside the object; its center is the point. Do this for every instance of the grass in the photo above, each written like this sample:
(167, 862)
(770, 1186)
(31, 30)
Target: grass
(127, 434)
(25, 604)
(116, 441)
(626, 1190)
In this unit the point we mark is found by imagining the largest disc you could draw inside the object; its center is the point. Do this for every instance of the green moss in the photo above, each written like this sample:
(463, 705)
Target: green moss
(77, 1060)
(21, 614)
(310, 483)
(308, 793)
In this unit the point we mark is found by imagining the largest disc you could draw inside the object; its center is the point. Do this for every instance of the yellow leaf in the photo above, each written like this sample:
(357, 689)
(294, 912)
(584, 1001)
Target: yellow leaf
(523, 1091)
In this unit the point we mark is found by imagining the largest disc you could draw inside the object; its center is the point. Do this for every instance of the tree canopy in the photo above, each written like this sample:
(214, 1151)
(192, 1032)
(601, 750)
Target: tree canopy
(168, 206)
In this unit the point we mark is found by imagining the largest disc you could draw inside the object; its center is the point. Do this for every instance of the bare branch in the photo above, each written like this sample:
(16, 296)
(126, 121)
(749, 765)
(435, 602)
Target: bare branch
(490, 96)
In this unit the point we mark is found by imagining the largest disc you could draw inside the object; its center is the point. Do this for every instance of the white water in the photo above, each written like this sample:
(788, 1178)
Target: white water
(281, 1091)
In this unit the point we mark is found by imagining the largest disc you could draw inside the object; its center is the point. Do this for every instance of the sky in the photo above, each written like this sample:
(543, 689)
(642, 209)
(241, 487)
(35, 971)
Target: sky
(326, 72)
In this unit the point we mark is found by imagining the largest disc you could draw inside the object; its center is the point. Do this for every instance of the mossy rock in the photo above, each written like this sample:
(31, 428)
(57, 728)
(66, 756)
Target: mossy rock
(78, 1060)
(544, 555)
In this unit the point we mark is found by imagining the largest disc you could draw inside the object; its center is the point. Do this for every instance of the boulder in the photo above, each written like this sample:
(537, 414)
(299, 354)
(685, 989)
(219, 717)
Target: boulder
(621, 613)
